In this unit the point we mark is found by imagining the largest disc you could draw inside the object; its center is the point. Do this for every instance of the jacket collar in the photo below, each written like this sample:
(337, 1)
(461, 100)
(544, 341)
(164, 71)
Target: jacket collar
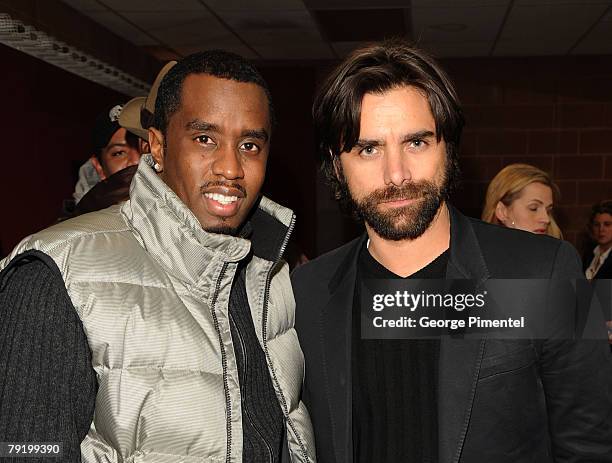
(466, 260)
(171, 233)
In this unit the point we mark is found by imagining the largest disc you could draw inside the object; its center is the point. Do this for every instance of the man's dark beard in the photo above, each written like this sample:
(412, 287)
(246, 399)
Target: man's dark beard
(399, 223)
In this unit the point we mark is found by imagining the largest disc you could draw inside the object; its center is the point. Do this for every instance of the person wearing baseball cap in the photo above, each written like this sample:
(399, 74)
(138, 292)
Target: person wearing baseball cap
(105, 178)
(137, 114)
(114, 148)
(120, 137)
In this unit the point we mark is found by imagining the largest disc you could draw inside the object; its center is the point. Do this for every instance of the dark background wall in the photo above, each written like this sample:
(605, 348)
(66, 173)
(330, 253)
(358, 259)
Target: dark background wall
(555, 113)
(46, 125)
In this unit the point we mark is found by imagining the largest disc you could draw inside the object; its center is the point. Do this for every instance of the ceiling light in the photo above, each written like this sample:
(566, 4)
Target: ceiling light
(27, 39)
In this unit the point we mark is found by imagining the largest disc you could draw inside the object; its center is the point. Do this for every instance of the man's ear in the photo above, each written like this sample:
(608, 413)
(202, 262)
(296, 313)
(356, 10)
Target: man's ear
(501, 212)
(99, 169)
(156, 143)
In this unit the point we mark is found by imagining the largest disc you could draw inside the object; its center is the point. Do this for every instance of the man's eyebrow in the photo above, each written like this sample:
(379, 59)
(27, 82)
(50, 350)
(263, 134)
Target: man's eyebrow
(260, 134)
(418, 135)
(363, 142)
(200, 125)
(115, 145)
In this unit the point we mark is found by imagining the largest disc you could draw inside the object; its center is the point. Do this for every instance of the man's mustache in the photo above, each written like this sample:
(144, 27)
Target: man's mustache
(218, 183)
(412, 190)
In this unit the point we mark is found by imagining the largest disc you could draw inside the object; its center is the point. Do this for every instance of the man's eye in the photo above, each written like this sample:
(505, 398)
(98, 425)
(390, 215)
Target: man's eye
(118, 153)
(368, 150)
(203, 139)
(250, 147)
(418, 144)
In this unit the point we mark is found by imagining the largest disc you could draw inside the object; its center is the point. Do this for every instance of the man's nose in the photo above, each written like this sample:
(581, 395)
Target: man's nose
(396, 172)
(133, 157)
(228, 165)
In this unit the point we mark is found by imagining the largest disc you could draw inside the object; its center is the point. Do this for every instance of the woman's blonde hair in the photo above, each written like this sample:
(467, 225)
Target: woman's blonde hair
(507, 186)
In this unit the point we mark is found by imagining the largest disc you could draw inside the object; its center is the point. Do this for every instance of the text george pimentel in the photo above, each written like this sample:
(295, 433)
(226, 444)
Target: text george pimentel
(458, 302)
(427, 322)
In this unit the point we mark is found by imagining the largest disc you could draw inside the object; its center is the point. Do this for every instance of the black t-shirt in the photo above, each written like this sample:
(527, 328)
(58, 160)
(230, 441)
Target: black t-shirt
(394, 384)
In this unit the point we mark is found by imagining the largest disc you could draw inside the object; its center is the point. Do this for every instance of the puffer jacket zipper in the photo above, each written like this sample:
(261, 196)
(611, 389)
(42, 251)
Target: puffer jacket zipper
(265, 339)
(228, 407)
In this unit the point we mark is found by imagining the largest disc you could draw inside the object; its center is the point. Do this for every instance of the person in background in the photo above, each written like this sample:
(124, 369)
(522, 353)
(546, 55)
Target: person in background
(522, 196)
(596, 262)
(103, 178)
(114, 148)
(95, 190)
(138, 113)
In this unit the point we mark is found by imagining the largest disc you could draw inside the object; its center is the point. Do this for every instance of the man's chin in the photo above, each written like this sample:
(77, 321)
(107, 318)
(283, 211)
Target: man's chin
(405, 223)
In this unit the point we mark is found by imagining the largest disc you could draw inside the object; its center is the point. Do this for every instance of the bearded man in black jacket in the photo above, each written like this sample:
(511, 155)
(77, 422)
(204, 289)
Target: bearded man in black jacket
(388, 123)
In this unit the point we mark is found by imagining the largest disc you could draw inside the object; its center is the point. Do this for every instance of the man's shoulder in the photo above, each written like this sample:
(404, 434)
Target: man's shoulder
(57, 239)
(323, 268)
(511, 253)
(107, 220)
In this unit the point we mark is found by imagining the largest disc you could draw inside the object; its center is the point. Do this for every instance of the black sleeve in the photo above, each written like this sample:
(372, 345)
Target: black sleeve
(577, 378)
(47, 384)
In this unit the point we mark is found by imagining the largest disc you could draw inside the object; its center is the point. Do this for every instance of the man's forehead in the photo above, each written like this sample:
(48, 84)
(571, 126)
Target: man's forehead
(405, 105)
(209, 86)
(211, 96)
(118, 138)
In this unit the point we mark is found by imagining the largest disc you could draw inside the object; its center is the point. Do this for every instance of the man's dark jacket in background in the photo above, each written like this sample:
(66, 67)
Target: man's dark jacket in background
(499, 401)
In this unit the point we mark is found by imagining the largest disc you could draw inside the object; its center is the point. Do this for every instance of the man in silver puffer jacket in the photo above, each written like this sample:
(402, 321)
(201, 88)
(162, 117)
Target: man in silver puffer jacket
(161, 329)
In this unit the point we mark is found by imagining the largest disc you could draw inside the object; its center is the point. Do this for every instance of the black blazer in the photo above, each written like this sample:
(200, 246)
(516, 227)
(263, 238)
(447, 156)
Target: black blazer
(605, 271)
(498, 401)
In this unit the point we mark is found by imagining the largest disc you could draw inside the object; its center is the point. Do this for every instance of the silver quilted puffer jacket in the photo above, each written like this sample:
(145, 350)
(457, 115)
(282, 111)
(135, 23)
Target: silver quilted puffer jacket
(152, 290)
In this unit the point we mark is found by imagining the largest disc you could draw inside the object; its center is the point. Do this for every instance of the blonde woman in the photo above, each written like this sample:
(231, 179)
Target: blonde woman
(522, 196)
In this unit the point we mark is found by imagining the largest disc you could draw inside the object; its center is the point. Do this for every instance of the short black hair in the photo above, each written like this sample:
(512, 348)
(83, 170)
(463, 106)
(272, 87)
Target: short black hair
(217, 63)
(603, 207)
(378, 68)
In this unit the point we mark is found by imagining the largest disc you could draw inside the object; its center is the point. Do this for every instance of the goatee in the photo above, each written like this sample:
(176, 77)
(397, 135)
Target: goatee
(403, 222)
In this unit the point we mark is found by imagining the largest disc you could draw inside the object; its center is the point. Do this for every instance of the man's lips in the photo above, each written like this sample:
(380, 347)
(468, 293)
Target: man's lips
(223, 201)
(398, 202)
(224, 190)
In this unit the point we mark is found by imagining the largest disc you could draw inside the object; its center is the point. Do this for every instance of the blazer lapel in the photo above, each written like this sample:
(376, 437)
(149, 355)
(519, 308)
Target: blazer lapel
(336, 324)
(460, 357)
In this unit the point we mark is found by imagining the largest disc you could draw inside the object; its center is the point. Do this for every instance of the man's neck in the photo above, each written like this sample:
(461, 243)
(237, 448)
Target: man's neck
(406, 257)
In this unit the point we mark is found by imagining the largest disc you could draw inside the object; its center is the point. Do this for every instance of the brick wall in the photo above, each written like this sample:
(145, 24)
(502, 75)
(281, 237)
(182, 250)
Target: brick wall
(554, 113)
